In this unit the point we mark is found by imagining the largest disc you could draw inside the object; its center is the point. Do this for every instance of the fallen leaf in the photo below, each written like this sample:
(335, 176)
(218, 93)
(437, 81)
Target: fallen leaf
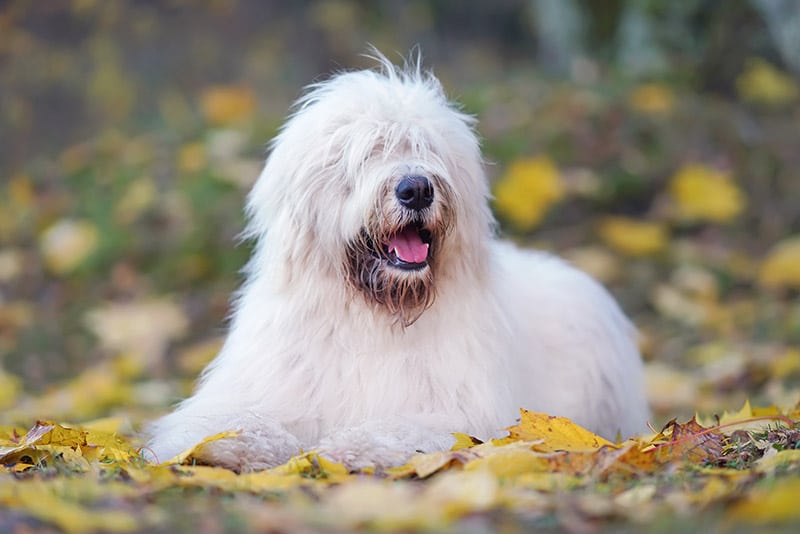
(424, 465)
(196, 451)
(634, 237)
(464, 441)
(555, 433)
(762, 83)
(690, 441)
(780, 267)
(703, 193)
(527, 191)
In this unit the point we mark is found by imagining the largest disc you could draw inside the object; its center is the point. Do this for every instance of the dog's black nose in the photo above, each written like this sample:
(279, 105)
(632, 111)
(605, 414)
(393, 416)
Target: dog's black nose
(414, 192)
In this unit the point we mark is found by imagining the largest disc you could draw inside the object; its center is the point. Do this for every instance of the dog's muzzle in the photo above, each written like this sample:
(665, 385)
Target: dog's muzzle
(393, 258)
(408, 248)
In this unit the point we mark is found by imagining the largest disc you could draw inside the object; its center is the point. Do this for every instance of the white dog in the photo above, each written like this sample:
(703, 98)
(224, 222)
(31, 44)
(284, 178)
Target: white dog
(380, 313)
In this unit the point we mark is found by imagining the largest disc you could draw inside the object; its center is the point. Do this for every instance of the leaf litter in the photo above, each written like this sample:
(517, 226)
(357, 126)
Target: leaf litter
(92, 477)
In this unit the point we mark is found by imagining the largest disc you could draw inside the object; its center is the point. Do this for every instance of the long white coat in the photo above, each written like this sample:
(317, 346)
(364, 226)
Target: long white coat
(312, 362)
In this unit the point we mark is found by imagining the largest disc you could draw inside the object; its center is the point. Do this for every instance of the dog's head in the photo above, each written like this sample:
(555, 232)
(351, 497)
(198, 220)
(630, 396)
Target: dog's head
(377, 179)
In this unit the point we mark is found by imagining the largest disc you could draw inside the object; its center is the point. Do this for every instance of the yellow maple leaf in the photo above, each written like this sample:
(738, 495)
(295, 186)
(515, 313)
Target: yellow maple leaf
(652, 98)
(781, 268)
(330, 468)
(464, 441)
(633, 237)
(742, 419)
(530, 187)
(746, 412)
(66, 244)
(761, 82)
(424, 465)
(702, 193)
(297, 465)
(227, 104)
(557, 433)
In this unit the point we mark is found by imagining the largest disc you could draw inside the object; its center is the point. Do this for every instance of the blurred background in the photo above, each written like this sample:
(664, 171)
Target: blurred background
(655, 144)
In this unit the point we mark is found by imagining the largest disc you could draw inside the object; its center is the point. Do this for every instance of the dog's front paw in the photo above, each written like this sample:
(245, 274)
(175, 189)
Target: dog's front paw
(362, 454)
(251, 450)
(381, 444)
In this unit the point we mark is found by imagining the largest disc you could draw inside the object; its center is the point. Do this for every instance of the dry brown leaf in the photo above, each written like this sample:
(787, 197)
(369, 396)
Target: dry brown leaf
(690, 441)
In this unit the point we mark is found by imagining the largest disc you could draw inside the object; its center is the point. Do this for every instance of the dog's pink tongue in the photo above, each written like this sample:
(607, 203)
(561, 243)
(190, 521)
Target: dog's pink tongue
(409, 247)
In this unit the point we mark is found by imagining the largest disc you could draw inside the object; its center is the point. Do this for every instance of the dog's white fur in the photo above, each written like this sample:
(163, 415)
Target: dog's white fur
(317, 358)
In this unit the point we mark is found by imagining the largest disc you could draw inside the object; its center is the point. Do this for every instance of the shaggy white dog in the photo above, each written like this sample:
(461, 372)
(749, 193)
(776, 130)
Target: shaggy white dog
(380, 313)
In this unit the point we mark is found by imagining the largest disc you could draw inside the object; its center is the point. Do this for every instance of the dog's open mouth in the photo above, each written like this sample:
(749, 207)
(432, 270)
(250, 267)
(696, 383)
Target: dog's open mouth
(408, 249)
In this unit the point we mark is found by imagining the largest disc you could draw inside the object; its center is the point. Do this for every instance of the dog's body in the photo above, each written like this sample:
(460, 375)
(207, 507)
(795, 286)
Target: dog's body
(380, 314)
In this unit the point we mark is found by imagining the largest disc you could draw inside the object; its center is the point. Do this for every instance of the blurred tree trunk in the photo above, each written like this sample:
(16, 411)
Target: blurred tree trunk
(560, 28)
(783, 22)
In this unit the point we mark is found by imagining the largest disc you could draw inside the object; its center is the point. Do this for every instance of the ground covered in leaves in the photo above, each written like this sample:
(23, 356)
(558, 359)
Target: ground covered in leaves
(548, 472)
(126, 155)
